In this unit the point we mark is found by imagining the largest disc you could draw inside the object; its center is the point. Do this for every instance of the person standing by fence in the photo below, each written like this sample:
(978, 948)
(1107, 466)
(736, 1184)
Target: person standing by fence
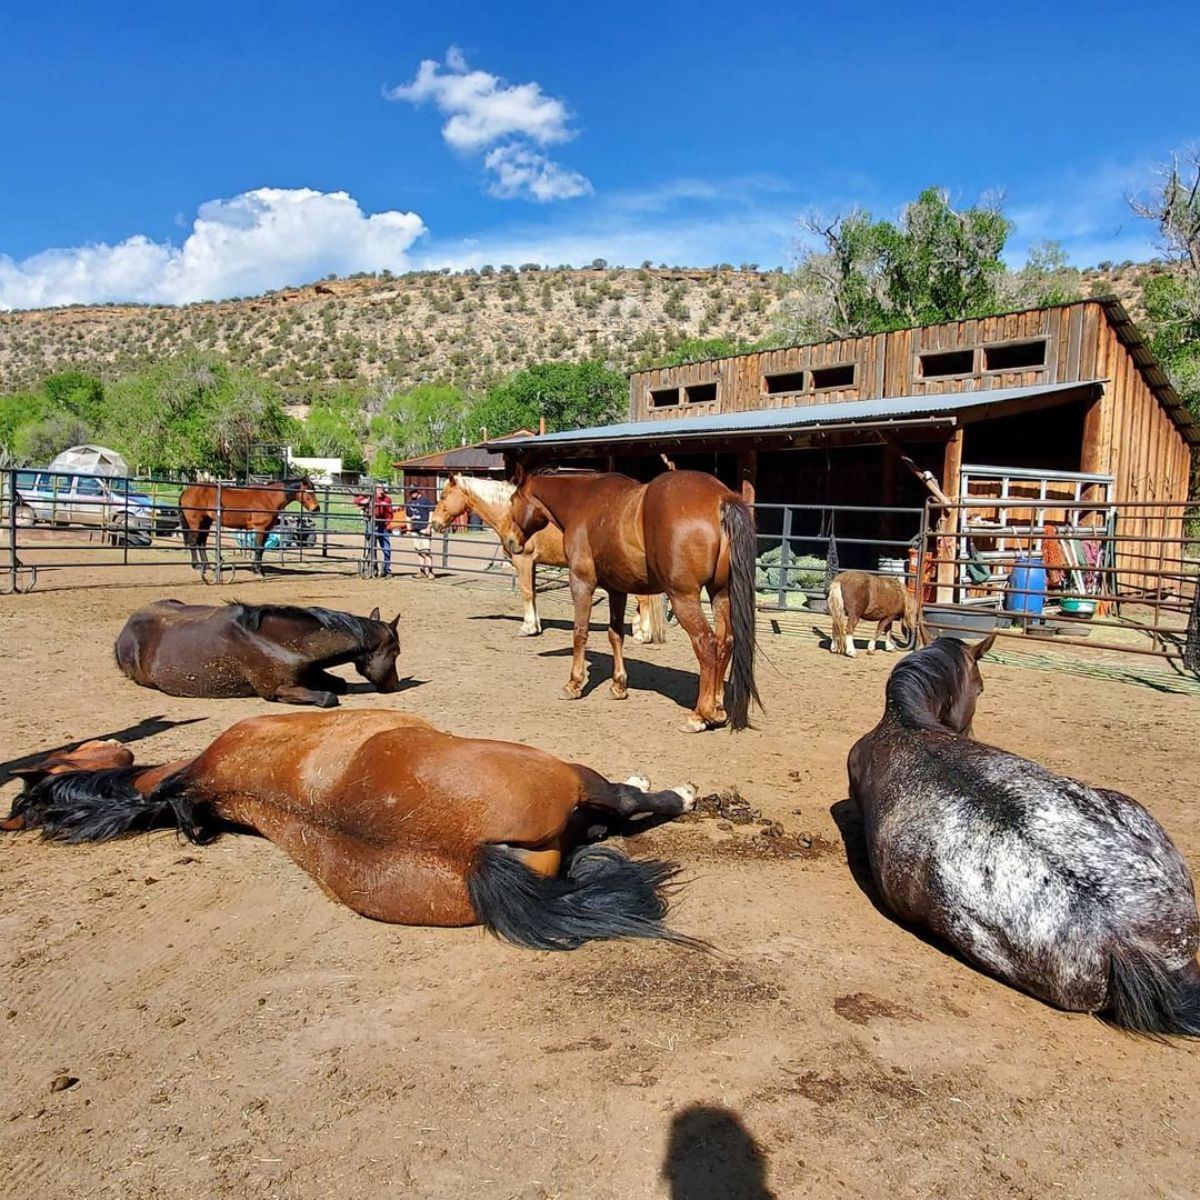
(379, 512)
(419, 510)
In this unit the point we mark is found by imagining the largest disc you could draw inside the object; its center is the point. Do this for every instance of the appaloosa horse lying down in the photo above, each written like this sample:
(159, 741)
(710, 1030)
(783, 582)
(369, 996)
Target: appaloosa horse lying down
(858, 595)
(275, 651)
(397, 820)
(1075, 894)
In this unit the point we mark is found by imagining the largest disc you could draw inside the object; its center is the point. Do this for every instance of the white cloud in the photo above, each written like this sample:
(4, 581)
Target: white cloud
(255, 241)
(523, 172)
(483, 110)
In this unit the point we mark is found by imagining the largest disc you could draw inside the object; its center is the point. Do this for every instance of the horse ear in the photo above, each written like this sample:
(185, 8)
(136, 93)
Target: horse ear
(519, 473)
(396, 621)
(374, 614)
(981, 648)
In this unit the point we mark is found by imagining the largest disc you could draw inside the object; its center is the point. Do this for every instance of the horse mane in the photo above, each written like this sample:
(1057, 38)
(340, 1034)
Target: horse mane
(489, 491)
(922, 682)
(250, 617)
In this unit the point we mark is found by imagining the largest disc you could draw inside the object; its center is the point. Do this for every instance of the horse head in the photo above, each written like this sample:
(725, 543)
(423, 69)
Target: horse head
(526, 514)
(377, 663)
(451, 505)
(307, 494)
(939, 686)
(88, 756)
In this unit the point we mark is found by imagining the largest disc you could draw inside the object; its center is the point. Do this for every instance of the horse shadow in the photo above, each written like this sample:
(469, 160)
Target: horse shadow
(145, 728)
(363, 687)
(711, 1153)
(644, 676)
(547, 622)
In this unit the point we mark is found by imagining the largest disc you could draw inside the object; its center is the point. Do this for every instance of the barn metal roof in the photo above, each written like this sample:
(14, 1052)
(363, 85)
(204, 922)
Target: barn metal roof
(804, 419)
(479, 457)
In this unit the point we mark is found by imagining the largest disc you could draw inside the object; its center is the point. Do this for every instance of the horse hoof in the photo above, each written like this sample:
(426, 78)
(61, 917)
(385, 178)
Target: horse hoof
(523, 632)
(638, 781)
(327, 700)
(693, 725)
(622, 694)
(687, 793)
(571, 693)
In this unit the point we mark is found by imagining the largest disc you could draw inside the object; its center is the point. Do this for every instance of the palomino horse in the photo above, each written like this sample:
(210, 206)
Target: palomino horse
(491, 499)
(859, 595)
(395, 819)
(1073, 893)
(275, 651)
(681, 532)
(254, 508)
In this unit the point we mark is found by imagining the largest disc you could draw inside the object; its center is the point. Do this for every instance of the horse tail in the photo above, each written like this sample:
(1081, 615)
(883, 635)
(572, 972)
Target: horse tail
(600, 894)
(656, 634)
(1147, 996)
(737, 523)
(97, 806)
(836, 603)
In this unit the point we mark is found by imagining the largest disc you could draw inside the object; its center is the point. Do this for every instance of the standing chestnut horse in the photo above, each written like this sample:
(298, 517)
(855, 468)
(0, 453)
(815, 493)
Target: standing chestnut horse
(254, 508)
(1073, 893)
(490, 500)
(397, 820)
(682, 532)
(858, 595)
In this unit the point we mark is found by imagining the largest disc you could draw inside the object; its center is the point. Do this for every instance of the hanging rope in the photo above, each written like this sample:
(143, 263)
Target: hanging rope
(828, 528)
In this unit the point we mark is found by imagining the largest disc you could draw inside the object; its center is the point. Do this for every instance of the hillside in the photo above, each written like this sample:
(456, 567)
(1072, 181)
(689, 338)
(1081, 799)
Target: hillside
(468, 328)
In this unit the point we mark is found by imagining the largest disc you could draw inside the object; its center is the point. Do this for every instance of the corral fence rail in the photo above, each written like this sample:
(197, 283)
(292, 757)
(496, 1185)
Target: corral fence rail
(1113, 575)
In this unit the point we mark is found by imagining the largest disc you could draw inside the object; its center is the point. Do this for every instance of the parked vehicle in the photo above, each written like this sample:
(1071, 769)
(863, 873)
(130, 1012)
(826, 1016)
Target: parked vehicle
(97, 501)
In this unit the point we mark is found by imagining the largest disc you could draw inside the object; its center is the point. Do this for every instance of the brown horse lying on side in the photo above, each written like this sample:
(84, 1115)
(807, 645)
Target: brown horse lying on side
(254, 508)
(682, 533)
(859, 595)
(490, 500)
(274, 651)
(395, 819)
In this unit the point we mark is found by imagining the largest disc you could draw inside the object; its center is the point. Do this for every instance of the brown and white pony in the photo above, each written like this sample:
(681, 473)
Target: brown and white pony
(490, 499)
(393, 818)
(858, 595)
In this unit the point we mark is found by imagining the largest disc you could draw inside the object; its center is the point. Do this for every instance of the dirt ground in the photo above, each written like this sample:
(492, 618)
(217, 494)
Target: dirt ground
(233, 1032)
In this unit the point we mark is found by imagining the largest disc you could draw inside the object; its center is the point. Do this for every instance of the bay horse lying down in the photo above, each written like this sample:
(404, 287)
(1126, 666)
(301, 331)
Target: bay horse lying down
(682, 533)
(275, 651)
(858, 595)
(490, 500)
(395, 819)
(1073, 893)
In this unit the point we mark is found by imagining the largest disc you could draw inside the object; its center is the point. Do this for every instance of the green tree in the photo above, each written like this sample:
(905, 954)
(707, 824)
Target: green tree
(76, 393)
(430, 417)
(868, 276)
(567, 395)
(335, 427)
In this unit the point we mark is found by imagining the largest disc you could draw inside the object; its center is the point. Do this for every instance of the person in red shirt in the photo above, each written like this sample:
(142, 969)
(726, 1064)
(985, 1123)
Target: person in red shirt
(379, 513)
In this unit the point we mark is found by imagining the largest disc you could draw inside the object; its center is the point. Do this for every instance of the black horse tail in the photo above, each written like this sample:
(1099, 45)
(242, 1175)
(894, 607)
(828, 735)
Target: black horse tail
(96, 806)
(601, 894)
(737, 523)
(1147, 996)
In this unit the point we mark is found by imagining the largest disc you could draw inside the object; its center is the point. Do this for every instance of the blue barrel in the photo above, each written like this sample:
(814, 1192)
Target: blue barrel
(1026, 587)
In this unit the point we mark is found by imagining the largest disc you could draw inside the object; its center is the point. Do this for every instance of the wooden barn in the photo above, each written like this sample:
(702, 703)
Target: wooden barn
(429, 472)
(1064, 402)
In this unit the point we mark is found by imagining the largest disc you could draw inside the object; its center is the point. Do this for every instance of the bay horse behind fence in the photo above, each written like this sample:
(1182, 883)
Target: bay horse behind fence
(681, 533)
(490, 500)
(393, 818)
(256, 509)
(1072, 893)
(275, 651)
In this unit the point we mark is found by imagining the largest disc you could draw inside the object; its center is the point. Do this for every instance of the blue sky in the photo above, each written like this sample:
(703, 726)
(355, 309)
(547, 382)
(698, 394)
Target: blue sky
(162, 151)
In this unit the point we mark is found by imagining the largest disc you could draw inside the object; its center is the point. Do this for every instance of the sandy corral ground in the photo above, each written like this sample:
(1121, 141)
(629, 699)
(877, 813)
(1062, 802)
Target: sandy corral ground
(233, 1032)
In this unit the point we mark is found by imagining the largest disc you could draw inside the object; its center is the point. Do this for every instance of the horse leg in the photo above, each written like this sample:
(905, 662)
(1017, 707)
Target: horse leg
(633, 798)
(723, 619)
(198, 545)
(848, 636)
(581, 593)
(619, 689)
(690, 616)
(527, 578)
(260, 543)
(885, 631)
(298, 693)
(320, 680)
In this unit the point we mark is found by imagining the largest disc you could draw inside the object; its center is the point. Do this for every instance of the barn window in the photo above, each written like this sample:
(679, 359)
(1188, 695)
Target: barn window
(785, 381)
(1015, 356)
(664, 397)
(833, 377)
(701, 393)
(953, 362)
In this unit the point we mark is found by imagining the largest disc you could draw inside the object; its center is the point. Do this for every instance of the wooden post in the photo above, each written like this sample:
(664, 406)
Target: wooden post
(1092, 456)
(947, 572)
(747, 471)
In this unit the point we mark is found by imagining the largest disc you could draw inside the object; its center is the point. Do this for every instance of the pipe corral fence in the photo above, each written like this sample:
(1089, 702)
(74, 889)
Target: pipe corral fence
(1107, 575)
